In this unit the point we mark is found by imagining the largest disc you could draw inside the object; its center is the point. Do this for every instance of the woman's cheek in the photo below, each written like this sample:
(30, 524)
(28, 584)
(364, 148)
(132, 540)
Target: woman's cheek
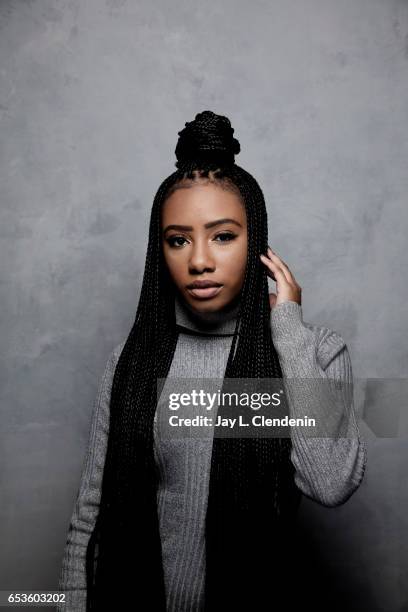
(176, 270)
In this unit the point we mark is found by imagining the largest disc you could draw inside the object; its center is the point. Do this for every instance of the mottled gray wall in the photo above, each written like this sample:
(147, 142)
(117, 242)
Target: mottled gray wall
(92, 95)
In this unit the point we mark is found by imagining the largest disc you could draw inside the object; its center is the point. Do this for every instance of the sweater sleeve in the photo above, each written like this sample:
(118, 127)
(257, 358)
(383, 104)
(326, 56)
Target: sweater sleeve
(72, 579)
(328, 469)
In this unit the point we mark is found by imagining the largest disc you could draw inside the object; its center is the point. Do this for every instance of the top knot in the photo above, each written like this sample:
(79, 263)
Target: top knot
(206, 143)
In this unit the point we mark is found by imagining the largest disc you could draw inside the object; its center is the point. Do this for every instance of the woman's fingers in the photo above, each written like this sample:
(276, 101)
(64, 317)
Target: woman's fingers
(286, 286)
(274, 270)
(270, 271)
(280, 263)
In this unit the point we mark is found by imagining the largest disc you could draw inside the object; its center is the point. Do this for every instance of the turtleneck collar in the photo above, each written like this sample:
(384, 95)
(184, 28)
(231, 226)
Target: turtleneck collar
(214, 323)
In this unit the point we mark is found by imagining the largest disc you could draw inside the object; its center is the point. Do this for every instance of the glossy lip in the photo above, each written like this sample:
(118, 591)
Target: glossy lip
(206, 292)
(203, 283)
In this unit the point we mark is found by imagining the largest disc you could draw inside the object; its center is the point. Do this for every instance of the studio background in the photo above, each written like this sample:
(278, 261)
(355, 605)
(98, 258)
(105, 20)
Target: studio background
(92, 95)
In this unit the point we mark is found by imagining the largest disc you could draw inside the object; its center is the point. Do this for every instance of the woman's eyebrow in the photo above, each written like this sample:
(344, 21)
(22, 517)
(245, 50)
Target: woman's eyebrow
(188, 228)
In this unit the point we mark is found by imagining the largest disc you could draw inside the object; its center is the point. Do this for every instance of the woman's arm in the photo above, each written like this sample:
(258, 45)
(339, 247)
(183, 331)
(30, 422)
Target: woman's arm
(328, 469)
(73, 571)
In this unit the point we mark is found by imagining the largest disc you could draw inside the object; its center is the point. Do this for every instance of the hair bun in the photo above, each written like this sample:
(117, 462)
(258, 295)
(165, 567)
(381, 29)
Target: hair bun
(206, 143)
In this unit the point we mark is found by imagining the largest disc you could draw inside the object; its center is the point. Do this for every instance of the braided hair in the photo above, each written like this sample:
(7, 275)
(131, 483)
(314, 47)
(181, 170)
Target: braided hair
(251, 480)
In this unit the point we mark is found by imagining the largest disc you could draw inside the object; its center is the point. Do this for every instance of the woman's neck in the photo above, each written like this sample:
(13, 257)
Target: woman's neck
(219, 322)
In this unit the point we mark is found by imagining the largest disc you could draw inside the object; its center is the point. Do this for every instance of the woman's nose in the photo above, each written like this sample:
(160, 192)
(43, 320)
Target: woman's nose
(201, 258)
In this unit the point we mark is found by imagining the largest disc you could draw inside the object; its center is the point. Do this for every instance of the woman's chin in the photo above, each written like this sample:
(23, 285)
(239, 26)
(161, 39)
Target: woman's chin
(207, 306)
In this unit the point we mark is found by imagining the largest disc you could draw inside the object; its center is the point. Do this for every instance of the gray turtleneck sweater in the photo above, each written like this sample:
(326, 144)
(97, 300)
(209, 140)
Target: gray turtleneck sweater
(328, 470)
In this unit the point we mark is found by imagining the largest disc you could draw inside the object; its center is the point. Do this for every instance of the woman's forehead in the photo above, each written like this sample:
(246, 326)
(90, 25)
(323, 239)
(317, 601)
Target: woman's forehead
(202, 204)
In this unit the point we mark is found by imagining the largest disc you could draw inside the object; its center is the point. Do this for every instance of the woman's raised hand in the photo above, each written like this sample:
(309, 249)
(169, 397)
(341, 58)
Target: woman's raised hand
(287, 288)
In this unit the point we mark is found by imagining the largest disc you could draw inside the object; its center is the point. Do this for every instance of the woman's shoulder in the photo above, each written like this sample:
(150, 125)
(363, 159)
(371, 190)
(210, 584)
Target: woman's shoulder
(287, 320)
(328, 341)
(116, 352)
(325, 335)
(118, 348)
(112, 361)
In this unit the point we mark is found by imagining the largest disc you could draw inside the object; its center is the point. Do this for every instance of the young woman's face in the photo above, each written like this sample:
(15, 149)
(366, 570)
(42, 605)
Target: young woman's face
(204, 237)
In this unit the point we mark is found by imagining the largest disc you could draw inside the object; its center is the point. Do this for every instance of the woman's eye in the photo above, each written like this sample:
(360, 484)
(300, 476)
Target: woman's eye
(178, 241)
(173, 241)
(226, 236)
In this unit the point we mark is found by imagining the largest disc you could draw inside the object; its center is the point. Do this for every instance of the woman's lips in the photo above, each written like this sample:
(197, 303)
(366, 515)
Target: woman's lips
(205, 293)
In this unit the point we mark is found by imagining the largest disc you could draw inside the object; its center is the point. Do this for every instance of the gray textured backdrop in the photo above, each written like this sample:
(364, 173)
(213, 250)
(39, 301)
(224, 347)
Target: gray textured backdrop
(92, 95)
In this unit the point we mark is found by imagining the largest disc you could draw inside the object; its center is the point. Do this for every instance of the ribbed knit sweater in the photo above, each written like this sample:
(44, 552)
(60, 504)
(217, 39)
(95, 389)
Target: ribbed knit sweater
(328, 470)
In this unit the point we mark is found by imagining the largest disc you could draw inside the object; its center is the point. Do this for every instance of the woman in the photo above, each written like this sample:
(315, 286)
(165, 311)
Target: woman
(187, 524)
